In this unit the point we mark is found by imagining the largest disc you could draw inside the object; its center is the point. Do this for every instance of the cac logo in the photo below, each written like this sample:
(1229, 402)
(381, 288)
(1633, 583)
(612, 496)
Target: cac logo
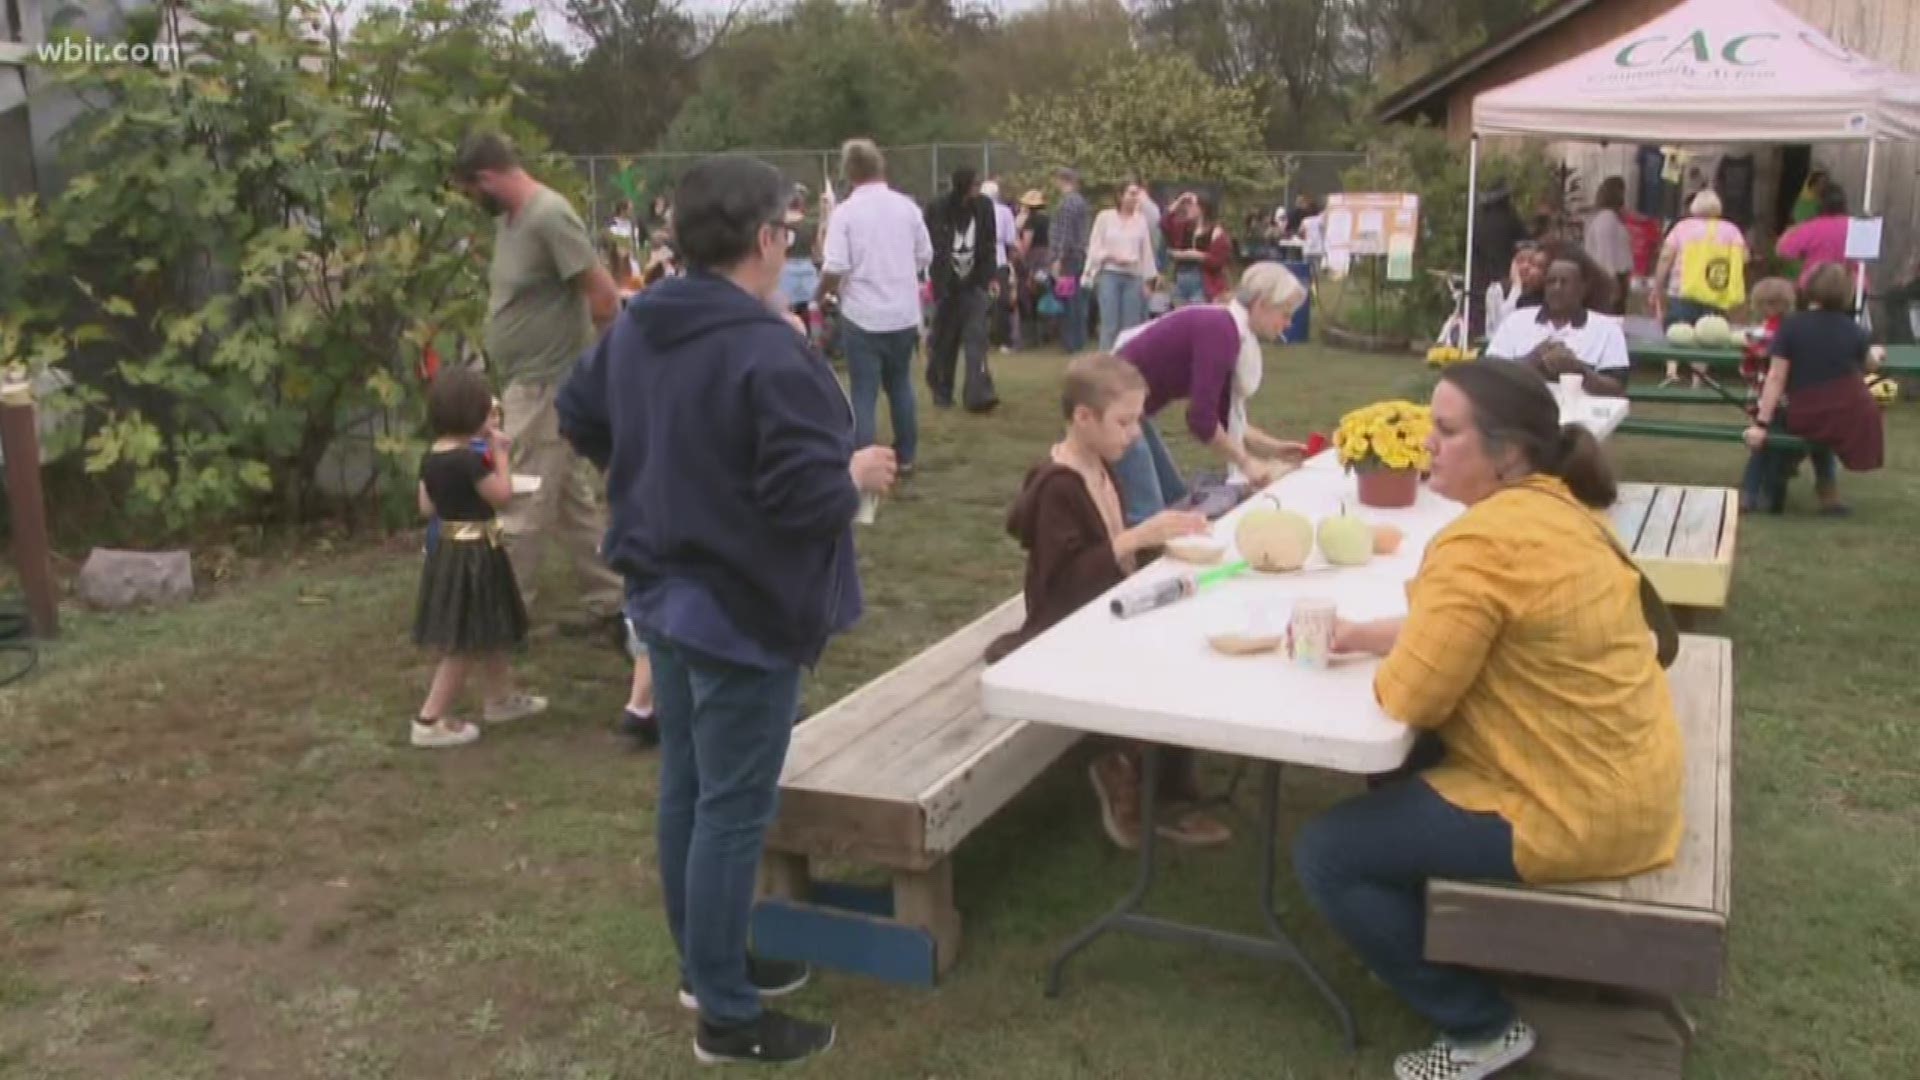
(1739, 50)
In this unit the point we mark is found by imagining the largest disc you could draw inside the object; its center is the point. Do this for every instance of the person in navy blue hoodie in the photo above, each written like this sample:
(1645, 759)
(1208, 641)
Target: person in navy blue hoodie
(732, 486)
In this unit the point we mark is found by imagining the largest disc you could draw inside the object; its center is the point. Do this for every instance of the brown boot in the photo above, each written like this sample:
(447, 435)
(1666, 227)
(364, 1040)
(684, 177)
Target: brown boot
(1195, 828)
(1829, 496)
(1116, 782)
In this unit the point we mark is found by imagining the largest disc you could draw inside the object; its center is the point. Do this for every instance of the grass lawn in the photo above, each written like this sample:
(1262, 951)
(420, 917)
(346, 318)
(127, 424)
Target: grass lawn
(220, 859)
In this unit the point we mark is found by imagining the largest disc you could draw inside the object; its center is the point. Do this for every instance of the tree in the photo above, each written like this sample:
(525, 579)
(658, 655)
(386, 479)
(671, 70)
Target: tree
(1038, 50)
(816, 74)
(256, 242)
(1148, 116)
(642, 59)
(1317, 64)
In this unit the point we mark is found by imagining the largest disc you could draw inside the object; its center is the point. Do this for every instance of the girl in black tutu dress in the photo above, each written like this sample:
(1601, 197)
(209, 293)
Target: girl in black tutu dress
(469, 610)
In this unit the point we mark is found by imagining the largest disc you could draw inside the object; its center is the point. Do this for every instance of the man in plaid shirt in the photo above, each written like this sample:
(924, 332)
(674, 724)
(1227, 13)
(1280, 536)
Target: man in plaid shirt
(1072, 226)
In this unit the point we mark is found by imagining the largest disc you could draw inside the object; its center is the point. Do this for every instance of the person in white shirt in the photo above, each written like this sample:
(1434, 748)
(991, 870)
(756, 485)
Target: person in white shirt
(1542, 337)
(1609, 242)
(1002, 322)
(1120, 264)
(877, 247)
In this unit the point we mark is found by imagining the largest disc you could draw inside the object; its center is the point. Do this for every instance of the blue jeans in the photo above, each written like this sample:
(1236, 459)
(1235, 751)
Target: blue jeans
(1189, 286)
(1149, 480)
(1365, 865)
(1073, 330)
(724, 730)
(1688, 311)
(882, 359)
(1123, 304)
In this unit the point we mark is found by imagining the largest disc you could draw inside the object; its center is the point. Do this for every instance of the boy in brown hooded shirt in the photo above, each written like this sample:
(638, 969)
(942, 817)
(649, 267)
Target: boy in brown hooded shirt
(1068, 519)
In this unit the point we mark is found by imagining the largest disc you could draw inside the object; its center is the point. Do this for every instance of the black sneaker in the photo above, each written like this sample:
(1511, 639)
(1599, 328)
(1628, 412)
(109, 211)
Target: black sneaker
(773, 978)
(773, 1038)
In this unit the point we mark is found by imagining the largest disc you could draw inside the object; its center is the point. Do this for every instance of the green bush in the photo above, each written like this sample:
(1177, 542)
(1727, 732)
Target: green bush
(1421, 160)
(255, 243)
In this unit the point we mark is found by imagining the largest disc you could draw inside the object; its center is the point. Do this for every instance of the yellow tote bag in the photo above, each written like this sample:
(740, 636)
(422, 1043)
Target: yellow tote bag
(1714, 273)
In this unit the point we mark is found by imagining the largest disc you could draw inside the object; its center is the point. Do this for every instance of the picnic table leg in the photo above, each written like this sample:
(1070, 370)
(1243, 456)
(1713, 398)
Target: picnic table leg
(1126, 915)
(1269, 909)
(1149, 786)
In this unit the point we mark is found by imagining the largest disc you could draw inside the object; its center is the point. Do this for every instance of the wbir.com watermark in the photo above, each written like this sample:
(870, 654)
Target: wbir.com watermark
(74, 51)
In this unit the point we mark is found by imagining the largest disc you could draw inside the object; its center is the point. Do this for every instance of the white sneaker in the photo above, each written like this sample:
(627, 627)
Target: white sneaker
(514, 707)
(443, 733)
(1445, 1060)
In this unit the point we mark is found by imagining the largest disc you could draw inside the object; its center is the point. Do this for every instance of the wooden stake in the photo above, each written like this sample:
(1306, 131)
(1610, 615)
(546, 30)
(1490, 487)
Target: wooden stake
(20, 442)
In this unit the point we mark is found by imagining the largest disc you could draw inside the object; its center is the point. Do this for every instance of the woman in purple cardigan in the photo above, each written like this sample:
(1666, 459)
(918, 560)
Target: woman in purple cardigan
(1209, 356)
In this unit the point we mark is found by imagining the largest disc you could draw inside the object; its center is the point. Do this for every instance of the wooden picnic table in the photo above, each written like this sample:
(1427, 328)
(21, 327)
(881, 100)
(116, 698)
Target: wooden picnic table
(1901, 359)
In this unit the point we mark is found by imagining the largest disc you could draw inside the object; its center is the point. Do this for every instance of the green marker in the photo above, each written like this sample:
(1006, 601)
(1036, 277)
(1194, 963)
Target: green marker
(1222, 573)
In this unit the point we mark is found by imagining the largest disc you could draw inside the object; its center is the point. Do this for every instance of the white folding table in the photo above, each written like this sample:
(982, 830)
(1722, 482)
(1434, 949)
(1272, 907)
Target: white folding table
(1154, 678)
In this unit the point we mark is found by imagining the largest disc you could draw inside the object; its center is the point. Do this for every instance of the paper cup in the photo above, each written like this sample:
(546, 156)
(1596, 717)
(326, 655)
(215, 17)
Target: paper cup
(1310, 633)
(869, 508)
(1572, 386)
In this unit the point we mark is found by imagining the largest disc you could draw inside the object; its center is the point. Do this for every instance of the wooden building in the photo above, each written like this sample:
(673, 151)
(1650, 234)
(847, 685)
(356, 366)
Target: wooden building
(1769, 177)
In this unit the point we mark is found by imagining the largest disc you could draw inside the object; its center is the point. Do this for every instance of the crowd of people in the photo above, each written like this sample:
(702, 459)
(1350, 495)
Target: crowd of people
(1562, 305)
(734, 467)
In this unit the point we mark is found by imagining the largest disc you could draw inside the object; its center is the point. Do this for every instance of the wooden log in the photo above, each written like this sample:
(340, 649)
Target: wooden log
(784, 875)
(924, 899)
(32, 550)
(1592, 1034)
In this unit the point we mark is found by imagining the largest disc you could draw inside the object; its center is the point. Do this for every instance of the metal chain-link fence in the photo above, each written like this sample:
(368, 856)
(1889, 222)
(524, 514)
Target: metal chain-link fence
(922, 172)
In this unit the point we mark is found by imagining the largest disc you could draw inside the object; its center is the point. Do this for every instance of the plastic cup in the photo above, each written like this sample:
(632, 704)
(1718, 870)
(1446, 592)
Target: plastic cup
(1572, 386)
(1310, 632)
(869, 508)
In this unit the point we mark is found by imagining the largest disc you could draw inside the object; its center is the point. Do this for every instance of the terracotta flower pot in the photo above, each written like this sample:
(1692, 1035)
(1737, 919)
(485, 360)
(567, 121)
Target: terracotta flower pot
(1389, 489)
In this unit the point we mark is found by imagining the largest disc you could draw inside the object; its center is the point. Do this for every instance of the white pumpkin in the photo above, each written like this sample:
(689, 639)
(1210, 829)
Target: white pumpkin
(1273, 539)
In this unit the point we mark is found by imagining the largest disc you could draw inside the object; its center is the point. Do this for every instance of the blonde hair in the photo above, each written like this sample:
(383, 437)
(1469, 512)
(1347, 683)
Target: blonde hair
(1272, 283)
(861, 161)
(1771, 292)
(1831, 288)
(1706, 204)
(1096, 381)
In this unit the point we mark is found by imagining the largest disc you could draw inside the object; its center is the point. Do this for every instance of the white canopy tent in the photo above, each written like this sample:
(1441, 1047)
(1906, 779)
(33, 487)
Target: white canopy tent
(1708, 71)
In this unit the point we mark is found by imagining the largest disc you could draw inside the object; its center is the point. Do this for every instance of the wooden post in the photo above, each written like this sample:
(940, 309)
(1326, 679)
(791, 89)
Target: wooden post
(925, 900)
(20, 442)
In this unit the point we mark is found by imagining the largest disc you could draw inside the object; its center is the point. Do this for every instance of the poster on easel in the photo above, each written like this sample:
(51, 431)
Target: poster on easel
(1374, 224)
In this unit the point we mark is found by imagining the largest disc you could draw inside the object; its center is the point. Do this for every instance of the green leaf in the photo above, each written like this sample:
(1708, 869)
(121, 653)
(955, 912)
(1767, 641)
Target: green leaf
(256, 475)
(115, 305)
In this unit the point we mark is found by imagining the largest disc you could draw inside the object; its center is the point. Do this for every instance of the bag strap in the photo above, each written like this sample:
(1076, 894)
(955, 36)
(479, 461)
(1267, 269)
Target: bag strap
(1654, 610)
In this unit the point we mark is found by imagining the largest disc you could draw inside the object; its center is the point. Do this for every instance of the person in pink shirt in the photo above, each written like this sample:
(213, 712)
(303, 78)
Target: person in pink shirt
(1704, 224)
(1821, 240)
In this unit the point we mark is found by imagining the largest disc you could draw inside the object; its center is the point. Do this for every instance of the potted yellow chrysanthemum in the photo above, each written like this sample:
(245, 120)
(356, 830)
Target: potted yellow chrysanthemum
(1386, 445)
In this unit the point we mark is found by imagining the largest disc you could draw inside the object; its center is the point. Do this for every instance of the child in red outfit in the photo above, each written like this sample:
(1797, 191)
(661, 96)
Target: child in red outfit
(1773, 300)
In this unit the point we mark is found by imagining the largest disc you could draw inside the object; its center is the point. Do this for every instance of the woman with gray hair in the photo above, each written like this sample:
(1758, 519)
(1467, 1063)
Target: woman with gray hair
(1210, 356)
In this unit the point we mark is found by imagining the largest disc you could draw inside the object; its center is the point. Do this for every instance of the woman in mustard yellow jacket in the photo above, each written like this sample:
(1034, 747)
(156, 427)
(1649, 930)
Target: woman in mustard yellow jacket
(1525, 660)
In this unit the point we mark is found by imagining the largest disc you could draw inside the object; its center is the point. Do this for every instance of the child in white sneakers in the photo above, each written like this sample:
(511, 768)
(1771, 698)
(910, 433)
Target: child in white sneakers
(469, 608)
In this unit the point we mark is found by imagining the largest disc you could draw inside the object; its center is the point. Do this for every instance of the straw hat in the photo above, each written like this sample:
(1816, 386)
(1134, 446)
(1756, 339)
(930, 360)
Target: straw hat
(1033, 200)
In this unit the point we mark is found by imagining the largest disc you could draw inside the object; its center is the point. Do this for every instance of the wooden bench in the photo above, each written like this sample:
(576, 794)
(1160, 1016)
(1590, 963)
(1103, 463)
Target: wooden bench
(895, 775)
(1603, 962)
(1683, 539)
(1902, 360)
(1704, 431)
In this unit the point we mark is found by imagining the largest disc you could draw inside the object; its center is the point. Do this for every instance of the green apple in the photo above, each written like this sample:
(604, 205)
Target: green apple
(1346, 540)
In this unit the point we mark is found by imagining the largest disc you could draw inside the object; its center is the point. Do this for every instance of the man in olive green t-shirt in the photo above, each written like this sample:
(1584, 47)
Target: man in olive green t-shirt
(548, 300)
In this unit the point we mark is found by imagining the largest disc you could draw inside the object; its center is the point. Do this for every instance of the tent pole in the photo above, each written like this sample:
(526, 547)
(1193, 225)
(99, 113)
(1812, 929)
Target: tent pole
(1473, 202)
(1866, 210)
